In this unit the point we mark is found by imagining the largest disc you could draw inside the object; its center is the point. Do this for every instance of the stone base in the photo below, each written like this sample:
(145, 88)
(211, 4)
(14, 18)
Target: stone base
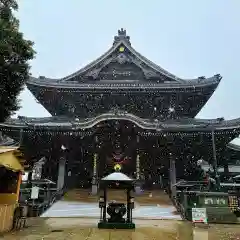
(107, 225)
(94, 189)
(138, 190)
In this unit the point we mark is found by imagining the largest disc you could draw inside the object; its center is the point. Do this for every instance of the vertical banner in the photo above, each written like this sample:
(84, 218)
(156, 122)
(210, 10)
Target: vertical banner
(34, 192)
(138, 167)
(95, 167)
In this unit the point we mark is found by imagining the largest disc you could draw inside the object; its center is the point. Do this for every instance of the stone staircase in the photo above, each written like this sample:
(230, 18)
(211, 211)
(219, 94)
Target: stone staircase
(80, 195)
(155, 197)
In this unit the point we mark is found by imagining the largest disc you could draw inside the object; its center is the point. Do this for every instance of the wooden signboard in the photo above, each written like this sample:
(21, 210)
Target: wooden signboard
(199, 215)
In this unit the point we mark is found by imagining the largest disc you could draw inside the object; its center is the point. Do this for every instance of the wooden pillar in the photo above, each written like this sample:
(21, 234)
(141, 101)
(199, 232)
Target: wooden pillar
(19, 181)
(128, 205)
(215, 162)
(172, 165)
(225, 163)
(61, 173)
(105, 204)
(172, 174)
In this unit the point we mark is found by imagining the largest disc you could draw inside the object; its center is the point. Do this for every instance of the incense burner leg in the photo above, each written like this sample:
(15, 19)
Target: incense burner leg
(138, 188)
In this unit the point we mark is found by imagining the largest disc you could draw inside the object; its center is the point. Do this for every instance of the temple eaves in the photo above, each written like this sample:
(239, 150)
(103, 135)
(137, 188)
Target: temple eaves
(191, 83)
(185, 125)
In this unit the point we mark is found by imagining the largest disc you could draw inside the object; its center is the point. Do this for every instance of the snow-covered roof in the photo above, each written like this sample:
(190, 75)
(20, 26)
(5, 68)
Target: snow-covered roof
(117, 176)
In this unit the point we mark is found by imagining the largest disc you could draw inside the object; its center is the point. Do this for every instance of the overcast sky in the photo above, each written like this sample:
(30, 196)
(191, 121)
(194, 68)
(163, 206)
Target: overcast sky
(189, 38)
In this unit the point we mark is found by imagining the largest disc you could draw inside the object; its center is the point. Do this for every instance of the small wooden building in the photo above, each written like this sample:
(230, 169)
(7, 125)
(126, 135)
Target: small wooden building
(10, 180)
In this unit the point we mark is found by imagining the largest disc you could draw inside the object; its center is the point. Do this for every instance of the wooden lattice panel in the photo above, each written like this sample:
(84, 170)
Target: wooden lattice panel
(233, 203)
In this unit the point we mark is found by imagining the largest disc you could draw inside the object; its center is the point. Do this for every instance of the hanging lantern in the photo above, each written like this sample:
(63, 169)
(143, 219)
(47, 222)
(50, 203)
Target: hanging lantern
(117, 167)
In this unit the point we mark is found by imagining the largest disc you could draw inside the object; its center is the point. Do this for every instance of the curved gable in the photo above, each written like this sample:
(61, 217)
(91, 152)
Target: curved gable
(121, 61)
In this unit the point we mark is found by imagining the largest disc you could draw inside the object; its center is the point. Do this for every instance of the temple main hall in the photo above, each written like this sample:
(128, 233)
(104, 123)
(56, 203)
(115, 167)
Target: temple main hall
(124, 112)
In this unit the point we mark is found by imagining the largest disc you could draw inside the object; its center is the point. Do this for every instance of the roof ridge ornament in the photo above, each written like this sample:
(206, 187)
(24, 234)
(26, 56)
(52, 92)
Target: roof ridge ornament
(122, 36)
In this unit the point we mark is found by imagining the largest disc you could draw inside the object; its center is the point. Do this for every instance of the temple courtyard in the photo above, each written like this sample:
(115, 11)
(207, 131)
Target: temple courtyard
(76, 215)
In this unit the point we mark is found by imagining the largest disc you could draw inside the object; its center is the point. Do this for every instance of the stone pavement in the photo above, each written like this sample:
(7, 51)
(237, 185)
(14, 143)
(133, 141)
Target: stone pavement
(85, 229)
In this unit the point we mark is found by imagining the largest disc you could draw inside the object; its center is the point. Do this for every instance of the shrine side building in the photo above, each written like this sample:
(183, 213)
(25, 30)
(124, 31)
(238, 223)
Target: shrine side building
(122, 109)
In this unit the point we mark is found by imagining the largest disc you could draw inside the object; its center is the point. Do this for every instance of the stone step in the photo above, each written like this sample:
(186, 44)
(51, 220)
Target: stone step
(146, 198)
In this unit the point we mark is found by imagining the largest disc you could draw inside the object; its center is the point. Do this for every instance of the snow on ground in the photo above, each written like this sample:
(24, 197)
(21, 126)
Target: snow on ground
(81, 209)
